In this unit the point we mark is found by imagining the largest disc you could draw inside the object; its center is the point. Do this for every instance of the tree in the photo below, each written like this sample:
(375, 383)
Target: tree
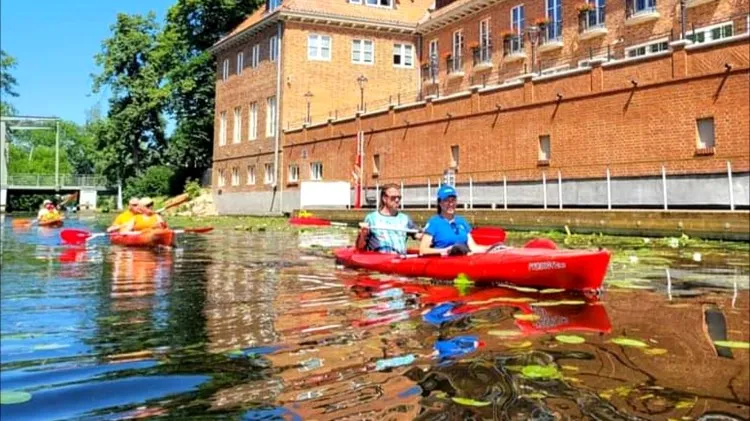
(132, 137)
(8, 83)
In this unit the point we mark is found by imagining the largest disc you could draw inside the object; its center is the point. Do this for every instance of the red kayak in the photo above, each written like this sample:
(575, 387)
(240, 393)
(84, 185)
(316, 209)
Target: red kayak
(309, 220)
(528, 267)
(150, 238)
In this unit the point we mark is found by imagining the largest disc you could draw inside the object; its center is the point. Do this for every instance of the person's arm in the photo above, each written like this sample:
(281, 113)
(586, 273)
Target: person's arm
(412, 226)
(363, 235)
(476, 248)
(128, 226)
(426, 249)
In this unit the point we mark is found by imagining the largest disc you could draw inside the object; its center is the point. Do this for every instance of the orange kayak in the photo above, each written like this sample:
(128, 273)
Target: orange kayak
(52, 223)
(157, 237)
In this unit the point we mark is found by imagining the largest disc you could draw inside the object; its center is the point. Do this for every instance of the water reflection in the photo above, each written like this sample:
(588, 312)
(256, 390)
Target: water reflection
(265, 326)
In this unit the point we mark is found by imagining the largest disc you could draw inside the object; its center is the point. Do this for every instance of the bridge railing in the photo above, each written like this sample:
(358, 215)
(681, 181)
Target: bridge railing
(48, 180)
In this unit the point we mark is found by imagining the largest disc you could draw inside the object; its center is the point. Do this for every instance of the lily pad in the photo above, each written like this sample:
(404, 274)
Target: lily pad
(540, 372)
(570, 339)
(470, 402)
(526, 317)
(525, 344)
(733, 344)
(10, 397)
(536, 395)
(684, 404)
(629, 342)
(504, 333)
(654, 351)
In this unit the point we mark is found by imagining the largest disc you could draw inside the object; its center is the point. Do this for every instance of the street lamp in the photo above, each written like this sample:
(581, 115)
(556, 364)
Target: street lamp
(534, 33)
(362, 81)
(308, 96)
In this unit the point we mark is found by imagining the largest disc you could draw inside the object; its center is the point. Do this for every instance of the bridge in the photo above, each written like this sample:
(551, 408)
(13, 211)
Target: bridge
(86, 185)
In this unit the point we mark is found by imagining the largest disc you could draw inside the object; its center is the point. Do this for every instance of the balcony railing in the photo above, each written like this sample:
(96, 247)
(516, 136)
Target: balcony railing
(482, 54)
(633, 8)
(513, 45)
(591, 19)
(48, 180)
(430, 72)
(455, 64)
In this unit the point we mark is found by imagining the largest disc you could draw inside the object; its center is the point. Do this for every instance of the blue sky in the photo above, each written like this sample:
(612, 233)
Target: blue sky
(54, 43)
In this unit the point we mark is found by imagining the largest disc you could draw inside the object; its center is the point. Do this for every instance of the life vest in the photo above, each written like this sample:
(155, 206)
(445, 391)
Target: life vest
(146, 222)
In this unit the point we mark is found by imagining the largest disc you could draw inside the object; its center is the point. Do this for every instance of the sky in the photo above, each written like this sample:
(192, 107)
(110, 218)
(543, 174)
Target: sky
(54, 43)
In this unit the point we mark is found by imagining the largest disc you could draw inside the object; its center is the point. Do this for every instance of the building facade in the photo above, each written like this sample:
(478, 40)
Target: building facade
(548, 103)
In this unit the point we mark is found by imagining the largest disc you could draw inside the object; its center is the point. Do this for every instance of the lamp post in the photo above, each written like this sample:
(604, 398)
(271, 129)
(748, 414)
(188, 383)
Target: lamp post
(534, 33)
(362, 81)
(308, 96)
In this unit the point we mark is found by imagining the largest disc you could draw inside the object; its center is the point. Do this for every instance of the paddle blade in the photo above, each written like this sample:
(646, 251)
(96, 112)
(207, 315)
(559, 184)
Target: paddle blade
(175, 201)
(199, 230)
(73, 236)
(21, 222)
(487, 236)
(540, 243)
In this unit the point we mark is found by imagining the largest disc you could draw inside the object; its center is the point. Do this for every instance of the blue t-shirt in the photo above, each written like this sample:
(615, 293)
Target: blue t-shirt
(386, 241)
(447, 233)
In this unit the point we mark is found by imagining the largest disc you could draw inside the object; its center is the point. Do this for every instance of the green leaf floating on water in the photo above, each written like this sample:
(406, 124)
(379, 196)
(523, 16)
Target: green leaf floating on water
(733, 344)
(504, 333)
(629, 342)
(470, 402)
(570, 339)
(540, 372)
(10, 397)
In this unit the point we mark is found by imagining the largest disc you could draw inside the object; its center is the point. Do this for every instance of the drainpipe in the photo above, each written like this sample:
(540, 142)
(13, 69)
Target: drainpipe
(279, 184)
(419, 67)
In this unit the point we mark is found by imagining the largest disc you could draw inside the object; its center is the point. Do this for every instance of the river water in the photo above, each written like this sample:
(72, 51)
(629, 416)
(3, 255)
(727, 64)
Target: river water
(264, 325)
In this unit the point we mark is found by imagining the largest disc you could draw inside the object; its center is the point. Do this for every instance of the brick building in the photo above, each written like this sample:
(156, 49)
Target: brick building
(521, 104)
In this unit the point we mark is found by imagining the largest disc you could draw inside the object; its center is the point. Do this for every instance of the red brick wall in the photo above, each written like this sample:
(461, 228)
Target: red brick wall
(633, 131)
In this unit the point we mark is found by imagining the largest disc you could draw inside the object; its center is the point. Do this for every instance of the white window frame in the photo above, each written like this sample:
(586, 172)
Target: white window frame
(700, 141)
(255, 56)
(235, 176)
(240, 62)
(237, 128)
(250, 175)
(222, 128)
(293, 173)
(358, 57)
(377, 3)
(706, 31)
(273, 48)
(434, 51)
(555, 16)
(355, 1)
(457, 48)
(646, 8)
(225, 69)
(402, 47)
(271, 111)
(646, 46)
(221, 180)
(544, 154)
(316, 170)
(268, 174)
(485, 40)
(252, 123)
(317, 40)
(517, 28)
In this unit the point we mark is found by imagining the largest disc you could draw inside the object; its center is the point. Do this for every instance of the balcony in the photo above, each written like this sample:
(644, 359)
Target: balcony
(591, 23)
(482, 57)
(455, 66)
(640, 11)
(430, 74)
(551, 37)
(513, 49)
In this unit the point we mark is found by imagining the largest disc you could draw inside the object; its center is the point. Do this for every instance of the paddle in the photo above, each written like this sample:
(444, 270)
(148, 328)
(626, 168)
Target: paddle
(176, 201)
(77, 237)
(485, 236)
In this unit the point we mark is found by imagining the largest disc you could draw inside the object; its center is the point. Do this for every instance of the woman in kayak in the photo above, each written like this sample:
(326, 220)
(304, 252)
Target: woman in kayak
(446, 232)
(146, 219)
(375, 234)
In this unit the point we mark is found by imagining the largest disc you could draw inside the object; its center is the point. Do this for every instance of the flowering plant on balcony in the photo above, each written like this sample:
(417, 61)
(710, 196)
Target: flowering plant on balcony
(542, 22)
(584, 7)
(447, 56)
(474, 45)
(507, 34)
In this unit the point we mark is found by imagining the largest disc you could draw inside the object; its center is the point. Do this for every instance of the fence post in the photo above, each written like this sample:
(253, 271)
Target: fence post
(471, 193)
(505, 192)
(559, 190)
(664, 185)
(731, 189)
(609, 191)
(402, 194)
(544, 189)
(429, 193)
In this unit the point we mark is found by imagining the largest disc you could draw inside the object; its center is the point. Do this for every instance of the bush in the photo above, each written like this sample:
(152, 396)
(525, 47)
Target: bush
(156, 181)
(192, 188)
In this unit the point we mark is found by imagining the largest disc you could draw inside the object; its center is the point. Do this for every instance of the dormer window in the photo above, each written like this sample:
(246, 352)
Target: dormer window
(273, 5)
(374, 3)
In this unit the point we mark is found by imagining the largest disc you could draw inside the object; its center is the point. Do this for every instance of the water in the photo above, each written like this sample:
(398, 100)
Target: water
(263, 325)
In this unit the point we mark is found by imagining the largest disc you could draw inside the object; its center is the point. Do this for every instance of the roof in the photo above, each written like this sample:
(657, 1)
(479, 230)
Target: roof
(453, 12)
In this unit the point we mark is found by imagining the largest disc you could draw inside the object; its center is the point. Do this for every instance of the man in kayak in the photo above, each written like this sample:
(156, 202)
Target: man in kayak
(446, 232)
(48, 212)
(146, 218)
(384, 230)
(122, 219)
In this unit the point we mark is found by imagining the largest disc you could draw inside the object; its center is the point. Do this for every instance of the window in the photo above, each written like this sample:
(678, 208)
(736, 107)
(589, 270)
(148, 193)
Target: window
(376, 164)
(316, 171)
(641, 6)
(237, 129)
(711, 33)
(484, 41)
(240, 62)
(271, 116)
(273, 48)
(318, 47)
(379, 3)
(293, 173)
(517, 26)
(223, 128)
(252, 129)
(544, 148)
(706, 139)
(250, 174)
(235, 176)
(268, 173)
(403, 55)
(222, 180)
(555, 15)
(255, 56)
(355, 1)
(458, 48)
(594, 18)
(454, 156)
(273, 4)
(362, 51)
(647, 49)
(225, 69)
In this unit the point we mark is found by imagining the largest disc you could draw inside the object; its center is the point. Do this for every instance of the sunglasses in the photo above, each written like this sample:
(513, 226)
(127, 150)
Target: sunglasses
(393, 197)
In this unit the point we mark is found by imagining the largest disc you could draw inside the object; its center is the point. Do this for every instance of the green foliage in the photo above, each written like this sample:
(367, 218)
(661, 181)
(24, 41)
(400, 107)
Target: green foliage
(25, 202)
(36, 160)
(192, 188)
(156, 181)
(8, 83)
